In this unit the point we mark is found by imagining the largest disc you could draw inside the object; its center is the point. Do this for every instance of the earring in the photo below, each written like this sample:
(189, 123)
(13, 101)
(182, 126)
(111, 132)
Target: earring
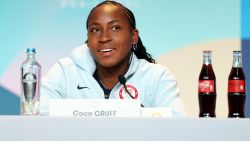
(134, 46)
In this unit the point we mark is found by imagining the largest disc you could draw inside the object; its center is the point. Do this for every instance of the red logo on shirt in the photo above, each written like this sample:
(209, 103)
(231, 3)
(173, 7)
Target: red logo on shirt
(132, 90)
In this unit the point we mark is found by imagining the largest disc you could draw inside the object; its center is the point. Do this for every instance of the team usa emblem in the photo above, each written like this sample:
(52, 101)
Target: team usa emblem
(132, 90)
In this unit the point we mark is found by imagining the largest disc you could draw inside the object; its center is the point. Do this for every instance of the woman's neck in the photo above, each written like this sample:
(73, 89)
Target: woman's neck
(109, 76)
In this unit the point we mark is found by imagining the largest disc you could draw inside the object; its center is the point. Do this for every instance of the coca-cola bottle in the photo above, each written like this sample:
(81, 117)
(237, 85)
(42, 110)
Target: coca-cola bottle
(207, 87)
(236, 88)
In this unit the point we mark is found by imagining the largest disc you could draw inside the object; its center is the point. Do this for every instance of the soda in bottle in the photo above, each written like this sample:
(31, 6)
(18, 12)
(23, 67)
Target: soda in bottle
(207, 87)
(236, 88)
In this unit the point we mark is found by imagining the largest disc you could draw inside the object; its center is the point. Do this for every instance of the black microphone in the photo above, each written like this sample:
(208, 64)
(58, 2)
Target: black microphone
(122, 80)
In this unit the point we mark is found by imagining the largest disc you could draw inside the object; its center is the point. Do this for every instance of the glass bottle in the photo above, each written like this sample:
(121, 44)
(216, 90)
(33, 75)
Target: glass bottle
(207, 87)
(236, 88)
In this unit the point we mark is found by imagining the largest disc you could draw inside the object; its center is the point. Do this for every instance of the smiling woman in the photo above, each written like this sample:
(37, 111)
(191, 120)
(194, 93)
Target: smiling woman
(113, 64)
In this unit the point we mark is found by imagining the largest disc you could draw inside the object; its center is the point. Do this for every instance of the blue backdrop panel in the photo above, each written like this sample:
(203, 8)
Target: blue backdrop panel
(245, 34)
(246, 66)
(9, 104)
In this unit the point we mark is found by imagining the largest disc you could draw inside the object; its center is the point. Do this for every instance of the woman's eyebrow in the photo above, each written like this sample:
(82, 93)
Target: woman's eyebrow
(114, 21)
(109, 22)
(93, 23)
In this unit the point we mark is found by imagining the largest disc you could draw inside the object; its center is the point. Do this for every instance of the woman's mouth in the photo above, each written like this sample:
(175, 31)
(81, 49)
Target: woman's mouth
(107, 52)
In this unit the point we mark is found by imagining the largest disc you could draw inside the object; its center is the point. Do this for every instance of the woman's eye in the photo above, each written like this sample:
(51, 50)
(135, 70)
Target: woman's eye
(94, 30)
(115, 28)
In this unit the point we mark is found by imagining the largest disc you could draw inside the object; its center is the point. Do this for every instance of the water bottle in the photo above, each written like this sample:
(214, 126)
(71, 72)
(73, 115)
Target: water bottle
(30, 85)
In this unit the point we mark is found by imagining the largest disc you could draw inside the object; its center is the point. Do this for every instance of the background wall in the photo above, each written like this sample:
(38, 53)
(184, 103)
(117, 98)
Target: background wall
(245, 40)
(174, 31)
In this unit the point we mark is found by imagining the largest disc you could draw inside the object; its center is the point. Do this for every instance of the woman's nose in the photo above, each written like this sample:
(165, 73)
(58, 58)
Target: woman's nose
(105, 36)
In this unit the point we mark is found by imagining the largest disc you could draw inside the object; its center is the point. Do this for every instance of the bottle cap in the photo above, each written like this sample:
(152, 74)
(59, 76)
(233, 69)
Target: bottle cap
(237, 53)
(207, 53)
(31, 50)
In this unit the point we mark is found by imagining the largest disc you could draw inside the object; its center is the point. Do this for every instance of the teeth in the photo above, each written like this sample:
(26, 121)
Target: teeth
(106, 50)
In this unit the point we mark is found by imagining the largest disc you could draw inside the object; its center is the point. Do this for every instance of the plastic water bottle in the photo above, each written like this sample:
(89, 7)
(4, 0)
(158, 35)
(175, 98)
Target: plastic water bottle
(30, 85)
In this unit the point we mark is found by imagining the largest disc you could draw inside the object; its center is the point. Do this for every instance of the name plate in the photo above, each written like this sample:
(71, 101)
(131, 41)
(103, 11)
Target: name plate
(97, 108)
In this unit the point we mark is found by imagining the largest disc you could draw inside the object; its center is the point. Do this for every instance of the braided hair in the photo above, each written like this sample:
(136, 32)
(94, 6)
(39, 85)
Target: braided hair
(139, 50)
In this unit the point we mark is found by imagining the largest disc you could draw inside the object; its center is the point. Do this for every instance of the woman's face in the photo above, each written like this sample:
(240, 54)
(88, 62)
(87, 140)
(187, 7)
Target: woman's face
(110, 36)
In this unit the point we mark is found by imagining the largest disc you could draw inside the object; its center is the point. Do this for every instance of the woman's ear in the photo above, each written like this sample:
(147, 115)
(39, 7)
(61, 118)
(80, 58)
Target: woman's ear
(135, 36)
(86, 42)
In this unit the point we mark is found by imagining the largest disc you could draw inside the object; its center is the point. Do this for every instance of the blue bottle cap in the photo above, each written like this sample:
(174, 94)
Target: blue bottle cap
(31, 50)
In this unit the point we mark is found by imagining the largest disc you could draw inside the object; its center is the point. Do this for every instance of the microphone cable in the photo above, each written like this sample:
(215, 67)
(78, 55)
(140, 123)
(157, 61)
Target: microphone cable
(122, 80)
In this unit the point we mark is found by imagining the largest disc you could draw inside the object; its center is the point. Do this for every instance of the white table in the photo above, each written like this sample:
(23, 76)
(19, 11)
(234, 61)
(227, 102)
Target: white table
(26, 128)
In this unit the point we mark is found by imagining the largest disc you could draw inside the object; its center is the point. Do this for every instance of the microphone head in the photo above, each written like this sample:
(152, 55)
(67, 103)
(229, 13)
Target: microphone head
(122, 79)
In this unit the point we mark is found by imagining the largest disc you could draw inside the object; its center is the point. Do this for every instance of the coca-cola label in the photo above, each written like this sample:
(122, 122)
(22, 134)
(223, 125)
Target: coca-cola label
(236, 86)
(206, 86)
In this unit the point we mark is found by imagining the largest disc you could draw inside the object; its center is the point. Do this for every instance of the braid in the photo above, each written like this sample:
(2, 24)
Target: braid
(140, 51)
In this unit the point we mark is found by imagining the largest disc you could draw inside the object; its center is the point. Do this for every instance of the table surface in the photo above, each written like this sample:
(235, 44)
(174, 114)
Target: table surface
(41, 128)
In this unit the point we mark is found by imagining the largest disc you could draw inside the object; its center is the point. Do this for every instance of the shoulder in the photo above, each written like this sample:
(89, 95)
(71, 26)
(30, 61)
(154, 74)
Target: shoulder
(58, 69)
(145, 66)
(76, 58)
(65, 62)
(154, 73)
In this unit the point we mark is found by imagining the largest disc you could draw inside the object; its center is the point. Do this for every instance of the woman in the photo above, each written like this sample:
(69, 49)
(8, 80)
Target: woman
(113, 57)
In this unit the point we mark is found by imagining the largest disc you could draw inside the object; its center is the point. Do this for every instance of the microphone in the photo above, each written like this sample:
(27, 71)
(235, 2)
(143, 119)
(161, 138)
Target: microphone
(122, 80)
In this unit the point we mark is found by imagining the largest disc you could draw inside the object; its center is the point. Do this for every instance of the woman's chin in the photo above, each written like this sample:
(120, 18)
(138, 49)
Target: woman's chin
(107, 64)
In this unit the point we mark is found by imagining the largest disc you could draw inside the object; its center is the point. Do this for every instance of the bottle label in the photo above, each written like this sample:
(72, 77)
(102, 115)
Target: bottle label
(206, 86)
(29, 86)
(236, 86)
